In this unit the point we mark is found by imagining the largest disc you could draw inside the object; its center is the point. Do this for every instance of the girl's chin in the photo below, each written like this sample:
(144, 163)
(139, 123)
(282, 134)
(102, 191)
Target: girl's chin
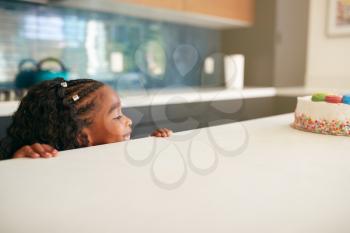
(127, 137)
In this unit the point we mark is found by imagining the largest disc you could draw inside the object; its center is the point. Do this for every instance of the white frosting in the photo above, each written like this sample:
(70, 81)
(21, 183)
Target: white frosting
(322, 110)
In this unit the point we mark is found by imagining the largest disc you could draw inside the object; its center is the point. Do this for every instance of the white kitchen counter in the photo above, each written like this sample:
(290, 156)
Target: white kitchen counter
(304, 91)
(176, 96)
(171, 96)
(281, 181)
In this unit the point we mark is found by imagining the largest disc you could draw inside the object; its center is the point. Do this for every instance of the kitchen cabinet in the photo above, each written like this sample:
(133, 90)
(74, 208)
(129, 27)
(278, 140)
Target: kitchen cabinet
(216, 14)
(242, 10)
(168, 4)
(238, 10)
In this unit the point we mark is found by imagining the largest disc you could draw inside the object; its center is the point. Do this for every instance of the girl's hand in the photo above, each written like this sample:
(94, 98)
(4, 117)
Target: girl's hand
(36, 151)
(162, 133)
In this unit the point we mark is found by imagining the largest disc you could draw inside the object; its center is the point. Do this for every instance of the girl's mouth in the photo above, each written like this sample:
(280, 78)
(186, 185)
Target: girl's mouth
(127, 136)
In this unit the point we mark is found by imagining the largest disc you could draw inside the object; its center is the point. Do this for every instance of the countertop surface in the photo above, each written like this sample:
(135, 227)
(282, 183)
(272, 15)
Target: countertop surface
(186, 95)
(171, 96)
(254, 176)
(303, 91)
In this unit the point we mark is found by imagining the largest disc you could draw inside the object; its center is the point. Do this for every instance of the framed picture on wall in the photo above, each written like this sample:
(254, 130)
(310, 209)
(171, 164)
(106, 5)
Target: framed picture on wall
(339, 18)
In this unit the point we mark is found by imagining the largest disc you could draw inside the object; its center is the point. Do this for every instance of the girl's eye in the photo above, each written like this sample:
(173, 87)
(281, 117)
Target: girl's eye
(118, 117)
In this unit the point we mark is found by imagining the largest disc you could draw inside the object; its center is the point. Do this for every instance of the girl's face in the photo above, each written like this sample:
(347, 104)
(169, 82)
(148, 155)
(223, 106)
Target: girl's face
(109, 124)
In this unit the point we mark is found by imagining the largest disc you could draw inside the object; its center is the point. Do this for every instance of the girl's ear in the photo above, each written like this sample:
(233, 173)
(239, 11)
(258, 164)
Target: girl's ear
(85, 138)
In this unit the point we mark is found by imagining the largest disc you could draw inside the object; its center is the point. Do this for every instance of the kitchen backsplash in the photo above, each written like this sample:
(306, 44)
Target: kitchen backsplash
(126, 52)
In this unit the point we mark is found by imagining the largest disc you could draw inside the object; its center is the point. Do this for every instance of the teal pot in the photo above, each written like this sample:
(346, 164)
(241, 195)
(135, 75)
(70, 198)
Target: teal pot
(46, 74)
(27, 70)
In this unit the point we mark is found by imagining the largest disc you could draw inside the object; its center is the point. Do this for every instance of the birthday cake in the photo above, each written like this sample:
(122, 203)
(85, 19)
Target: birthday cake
(324, 114)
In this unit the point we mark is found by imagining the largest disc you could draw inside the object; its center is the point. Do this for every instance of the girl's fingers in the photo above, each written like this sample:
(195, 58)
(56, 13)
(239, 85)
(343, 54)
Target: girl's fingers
(42, 150)
(156, 133)
(26, 151)
(33, 155)
(50, 149)
(38, 148)
(45, 151)
(168, 132)
(19, 154)
(162, 132)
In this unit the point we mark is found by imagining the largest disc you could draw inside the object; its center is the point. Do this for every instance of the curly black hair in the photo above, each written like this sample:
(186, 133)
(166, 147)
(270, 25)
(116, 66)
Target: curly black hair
(48, 114)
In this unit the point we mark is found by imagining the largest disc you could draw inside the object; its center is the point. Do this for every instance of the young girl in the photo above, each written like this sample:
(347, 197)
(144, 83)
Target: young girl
(60, 115)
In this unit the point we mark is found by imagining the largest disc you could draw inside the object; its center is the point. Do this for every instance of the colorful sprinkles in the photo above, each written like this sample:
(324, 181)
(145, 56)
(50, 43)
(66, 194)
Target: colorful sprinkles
(334, 127)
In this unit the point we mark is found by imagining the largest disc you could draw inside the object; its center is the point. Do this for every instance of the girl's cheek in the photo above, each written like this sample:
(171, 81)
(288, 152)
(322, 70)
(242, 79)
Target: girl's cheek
(116, 129)
(111, 126)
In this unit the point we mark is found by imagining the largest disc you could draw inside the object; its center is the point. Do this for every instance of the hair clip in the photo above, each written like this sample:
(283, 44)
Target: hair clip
(75, 98)
(64, 84)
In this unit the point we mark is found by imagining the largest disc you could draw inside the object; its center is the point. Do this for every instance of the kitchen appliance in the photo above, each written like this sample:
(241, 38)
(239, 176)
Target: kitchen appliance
(27, 69)
(234, 71)
(44, 74)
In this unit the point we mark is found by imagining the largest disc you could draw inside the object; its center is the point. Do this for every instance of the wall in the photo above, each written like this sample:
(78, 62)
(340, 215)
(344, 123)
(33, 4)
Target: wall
(155, 53)
(275, 47)
(291, 42)
(328, 62)
(256, 44)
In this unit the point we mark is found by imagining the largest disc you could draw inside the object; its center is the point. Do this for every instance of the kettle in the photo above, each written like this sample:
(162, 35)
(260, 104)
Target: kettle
(43, 74)
(26, 73)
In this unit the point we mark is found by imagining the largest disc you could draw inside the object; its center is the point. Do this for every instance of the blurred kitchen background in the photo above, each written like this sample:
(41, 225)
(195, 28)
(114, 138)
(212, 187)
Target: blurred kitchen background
(102, 44)
(258, 54)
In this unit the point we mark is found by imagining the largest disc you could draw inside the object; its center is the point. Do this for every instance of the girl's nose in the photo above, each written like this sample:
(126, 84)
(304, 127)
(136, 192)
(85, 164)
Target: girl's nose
(128, 121)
